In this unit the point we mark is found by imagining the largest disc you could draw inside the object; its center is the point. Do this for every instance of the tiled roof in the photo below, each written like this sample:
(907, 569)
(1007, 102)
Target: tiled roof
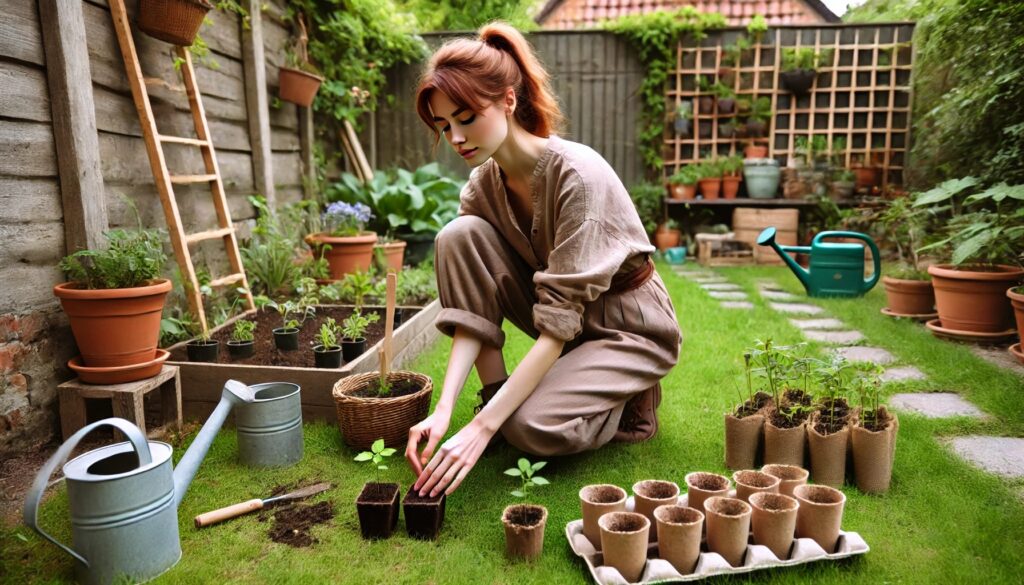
(569, 14)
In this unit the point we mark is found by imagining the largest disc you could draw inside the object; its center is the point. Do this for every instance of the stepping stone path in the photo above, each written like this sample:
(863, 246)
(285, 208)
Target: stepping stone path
(902, 373)
(708, 279)
(935, 404)
(808, 324)
(776, 295)
(797, 308)
(727, 295)
(875, 355)
(737, 305)
(999, 455)
(720, 286)
(835, 337)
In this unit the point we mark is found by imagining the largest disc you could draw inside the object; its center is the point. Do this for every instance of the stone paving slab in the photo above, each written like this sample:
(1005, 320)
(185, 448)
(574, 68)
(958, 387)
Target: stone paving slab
(902, 373)
(999, 455)
(727, 295)
(999, 356)
(737, 304)
(807, 324)
(935, 404)
(777, 295)
(875, 355)
(768, 285)
(720, 286)
(797, 308)
(837, 337)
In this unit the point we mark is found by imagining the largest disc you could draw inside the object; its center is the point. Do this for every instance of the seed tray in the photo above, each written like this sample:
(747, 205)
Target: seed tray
(709, 564)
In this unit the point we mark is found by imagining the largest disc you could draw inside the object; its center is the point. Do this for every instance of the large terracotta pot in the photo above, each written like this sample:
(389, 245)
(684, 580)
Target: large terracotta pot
(394, 254)
(665, 239)
(297, 86)
(345, 255)
(116, 326)
(909, 297)
(1017, 301)
(974, 298)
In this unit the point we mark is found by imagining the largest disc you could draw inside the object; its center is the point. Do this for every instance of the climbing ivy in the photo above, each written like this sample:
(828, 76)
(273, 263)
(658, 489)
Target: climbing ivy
(655, 36)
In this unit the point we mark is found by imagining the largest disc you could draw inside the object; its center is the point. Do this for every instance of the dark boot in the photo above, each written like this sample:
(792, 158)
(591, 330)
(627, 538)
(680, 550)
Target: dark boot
(639, 420)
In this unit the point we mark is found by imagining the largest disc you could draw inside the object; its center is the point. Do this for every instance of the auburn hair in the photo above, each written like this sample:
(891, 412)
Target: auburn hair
(474, 73)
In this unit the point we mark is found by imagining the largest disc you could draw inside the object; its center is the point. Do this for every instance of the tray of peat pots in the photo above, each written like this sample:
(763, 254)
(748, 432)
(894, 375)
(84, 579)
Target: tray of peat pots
(524, 523)
(772, 530)
(873, 436)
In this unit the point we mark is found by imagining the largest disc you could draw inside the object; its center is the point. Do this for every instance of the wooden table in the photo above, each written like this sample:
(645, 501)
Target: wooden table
(126, 399)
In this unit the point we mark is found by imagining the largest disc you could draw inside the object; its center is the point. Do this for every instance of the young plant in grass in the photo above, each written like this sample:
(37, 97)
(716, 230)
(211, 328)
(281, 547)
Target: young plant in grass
(525, 472)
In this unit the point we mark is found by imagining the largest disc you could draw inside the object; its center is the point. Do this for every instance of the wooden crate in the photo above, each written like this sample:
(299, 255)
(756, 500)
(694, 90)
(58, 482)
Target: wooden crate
(749, 222)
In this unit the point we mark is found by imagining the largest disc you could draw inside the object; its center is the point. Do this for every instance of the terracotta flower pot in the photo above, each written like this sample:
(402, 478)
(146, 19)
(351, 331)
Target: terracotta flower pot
(866, 177)
(730, 187)
(596, 501)
(394, 254)
(174, 21)
(710, 188)
(789, 476)
(873, 454)
(665, 239)
(728, 521)
(820, 514)
(345, 255)
(651, 493)
(683, 192)
(828, 455)
(524, 530)
(742, 440)
(749, 482)
(974, 298)
(755, 150)
(784, 446)
(1017, 302)
(624, 537)
(679, 532)
(297, 86)
(114, 327)
(773, 522)
(909, 297)
(700, 486)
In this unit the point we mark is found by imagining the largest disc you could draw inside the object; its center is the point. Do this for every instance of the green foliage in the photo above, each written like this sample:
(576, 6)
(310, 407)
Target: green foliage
(354, 326)
(732, 165)
(356, 286)
(794, 58)
(722, 91)
(684, 109)
(291, 310)
(525, 472)
(417, 286)
(761, 110)
(686, 175)
(732, 55)
(132, 258)
(757, 27)
(648, 199)
(174, 329)
(375, 457)
(327, 337)
(983, 228)
(271, 254)
(244, 330)
(655, 35)
(906, 227)
(464, 16)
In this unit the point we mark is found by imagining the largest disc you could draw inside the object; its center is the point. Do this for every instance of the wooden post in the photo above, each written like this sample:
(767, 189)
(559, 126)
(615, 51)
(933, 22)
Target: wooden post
(306, 140)
(256, 102)
(74, 123)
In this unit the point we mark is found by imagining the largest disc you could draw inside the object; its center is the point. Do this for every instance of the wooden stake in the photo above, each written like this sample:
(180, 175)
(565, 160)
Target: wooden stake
(389, 325)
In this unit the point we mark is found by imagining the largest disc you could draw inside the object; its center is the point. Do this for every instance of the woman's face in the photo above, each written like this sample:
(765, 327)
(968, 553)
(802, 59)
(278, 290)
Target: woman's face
(475, 136)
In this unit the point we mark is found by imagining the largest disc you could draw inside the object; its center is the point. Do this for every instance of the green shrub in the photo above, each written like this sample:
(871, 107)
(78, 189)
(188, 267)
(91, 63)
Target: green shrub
(132, 258)
(244, 330)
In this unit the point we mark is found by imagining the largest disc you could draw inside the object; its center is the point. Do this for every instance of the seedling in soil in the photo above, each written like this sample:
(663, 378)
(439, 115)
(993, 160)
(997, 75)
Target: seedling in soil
(866, 384)
(243, 331)
(354, 326)
(327, 337)
(754, 401)
(525, 472)
(377, 504)
(375, 456)
(833, 376)
(357, 286)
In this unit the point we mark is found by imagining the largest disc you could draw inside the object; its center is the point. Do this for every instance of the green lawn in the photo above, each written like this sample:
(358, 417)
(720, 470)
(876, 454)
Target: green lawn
(942, 521)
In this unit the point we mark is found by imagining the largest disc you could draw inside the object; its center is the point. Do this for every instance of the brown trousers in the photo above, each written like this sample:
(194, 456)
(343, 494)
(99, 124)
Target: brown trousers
(628, 343)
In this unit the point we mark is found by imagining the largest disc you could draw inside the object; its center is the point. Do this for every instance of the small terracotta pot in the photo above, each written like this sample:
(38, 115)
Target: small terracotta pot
(873, 453)
(624, 543)
(784, 446)
(665, 239)
(866, 177)
(789, 476)
(682, 192)
(679, 532)
(974, 300)
(755, 150)
(524, 530)
(394, 254)
(909, 297)
(710, 188)
(596, 501)
(828, 455)
(820, 514)
(742, 440)
(650, 494)
(345, 255)
(728, 528)
(730, 187)
(750, 481)
(1017, 302)
(297, 86)
(773, 522)
(701, 485)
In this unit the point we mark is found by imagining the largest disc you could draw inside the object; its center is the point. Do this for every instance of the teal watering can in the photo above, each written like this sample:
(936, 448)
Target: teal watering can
(836, 269)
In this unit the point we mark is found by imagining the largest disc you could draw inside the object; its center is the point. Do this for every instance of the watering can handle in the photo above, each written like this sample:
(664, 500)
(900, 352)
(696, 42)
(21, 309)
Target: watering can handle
(30, 512)
(876, 256)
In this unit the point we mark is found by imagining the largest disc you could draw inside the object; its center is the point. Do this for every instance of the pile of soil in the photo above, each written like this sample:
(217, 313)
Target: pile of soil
(753, 406)
(525, 516)
(398, 388)
(292, 524)
(265, 353)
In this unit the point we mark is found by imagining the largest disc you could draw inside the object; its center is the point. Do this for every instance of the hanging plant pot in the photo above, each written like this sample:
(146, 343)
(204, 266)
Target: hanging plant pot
(329, 357)
(909, 297)
(726, 105)
(798, 81)
(345, 254)
(683, 126)
(727, 130)
(973, 298)
(240, 349)
(174, 21)
(297, 86)
(706, 104)
(286, 339)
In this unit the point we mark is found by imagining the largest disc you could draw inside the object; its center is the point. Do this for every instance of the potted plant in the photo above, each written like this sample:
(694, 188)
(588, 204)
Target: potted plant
(762, 177)
(710, 179)
(385, 403)
(908, 286)
(684, 182)
(727, 127)
(732, 56)
(667, 235)
(987, 241)
(757, 126)
(353, 329)
(785, 416)
(326, 351)
(377, 504)
(744, 426)
(843, 185)
(299, 81)
(242, 339)
(286, 337)
(114, 299)
(683, 123)
(799, 68)
(706, 101)
(174, 21)
(1016, 296)
(873, 436)
(829, 431)
(731, 167)
(524, 523)
(865, 172)
(391, 253)
(202, 349)
(343, 241)
(725, 96)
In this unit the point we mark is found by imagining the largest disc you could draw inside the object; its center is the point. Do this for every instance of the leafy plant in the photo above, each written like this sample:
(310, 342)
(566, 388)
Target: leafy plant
(417, 285)
(131, 259)
(761, 110)
(906, 227)
(771, 363)
(812, 149)
(832, 375)
(732, 55)
(345, 219)
(327, 337)
(354, 326)
(648, 199)
(684, 110)
(983, 228)
(794, 58)
(866, 384)
(243, 331)
(289, 310)
(732, 165)
(757, 27)
(376, 457)
(357, 286)
(525, 472)
(722, 91)
(686, 175)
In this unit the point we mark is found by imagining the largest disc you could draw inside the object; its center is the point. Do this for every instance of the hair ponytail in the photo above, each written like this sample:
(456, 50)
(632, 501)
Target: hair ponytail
(474, 71)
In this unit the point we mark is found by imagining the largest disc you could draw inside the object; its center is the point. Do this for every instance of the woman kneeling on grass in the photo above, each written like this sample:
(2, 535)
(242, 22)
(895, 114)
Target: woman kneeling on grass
(548, 238)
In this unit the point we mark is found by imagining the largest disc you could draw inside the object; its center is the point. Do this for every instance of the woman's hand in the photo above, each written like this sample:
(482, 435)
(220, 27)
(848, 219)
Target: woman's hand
(430, 429)
(454, 460)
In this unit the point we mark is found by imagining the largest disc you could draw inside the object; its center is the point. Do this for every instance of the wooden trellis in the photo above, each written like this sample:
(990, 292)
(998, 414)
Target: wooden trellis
(863, 94)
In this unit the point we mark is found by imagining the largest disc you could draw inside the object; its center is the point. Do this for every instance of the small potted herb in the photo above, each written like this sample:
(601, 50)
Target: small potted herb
(353, 329)
(744, 426)
(684, 182)
(286, 337)
(731, 168)
(202, 348)
(710, 179)
(524, 523)
(706, 101)
(377, 504)
(241, 343)
(683, 122)
(800, 68)
(873, 438)
(326, 351)
(828, 432)
(908, 286)
(725, 96)
(757, 126)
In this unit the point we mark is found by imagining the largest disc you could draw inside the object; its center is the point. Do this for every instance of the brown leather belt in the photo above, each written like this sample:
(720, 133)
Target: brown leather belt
(633, 279)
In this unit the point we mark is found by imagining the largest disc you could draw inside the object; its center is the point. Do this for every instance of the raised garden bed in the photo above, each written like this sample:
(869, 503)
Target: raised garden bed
(202, 383)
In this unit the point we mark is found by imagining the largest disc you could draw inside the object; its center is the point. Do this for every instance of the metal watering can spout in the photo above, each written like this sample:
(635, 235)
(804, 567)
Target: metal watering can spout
(234, 393)
(767, 238)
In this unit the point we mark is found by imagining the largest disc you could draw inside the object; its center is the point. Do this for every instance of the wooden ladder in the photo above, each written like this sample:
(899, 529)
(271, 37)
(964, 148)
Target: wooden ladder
(165, 182)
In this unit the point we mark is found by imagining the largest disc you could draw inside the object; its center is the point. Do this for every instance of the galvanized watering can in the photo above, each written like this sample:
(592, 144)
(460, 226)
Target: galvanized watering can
(124, 498)
(836, 269)
(270, 427)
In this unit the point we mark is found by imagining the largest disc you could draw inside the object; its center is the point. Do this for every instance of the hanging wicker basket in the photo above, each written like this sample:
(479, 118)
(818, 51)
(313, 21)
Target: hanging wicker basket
(174, 21)
(363, 420)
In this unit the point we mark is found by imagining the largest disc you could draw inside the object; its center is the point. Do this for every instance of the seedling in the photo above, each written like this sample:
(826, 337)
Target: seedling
(243, 331)
(525, 472)
(327, 337)
(354, 327)
(356, 286)
(866, 384)
(832, 375)
(375, 456)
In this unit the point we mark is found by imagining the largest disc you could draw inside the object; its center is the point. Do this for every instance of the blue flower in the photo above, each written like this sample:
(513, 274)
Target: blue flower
(346, 219)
